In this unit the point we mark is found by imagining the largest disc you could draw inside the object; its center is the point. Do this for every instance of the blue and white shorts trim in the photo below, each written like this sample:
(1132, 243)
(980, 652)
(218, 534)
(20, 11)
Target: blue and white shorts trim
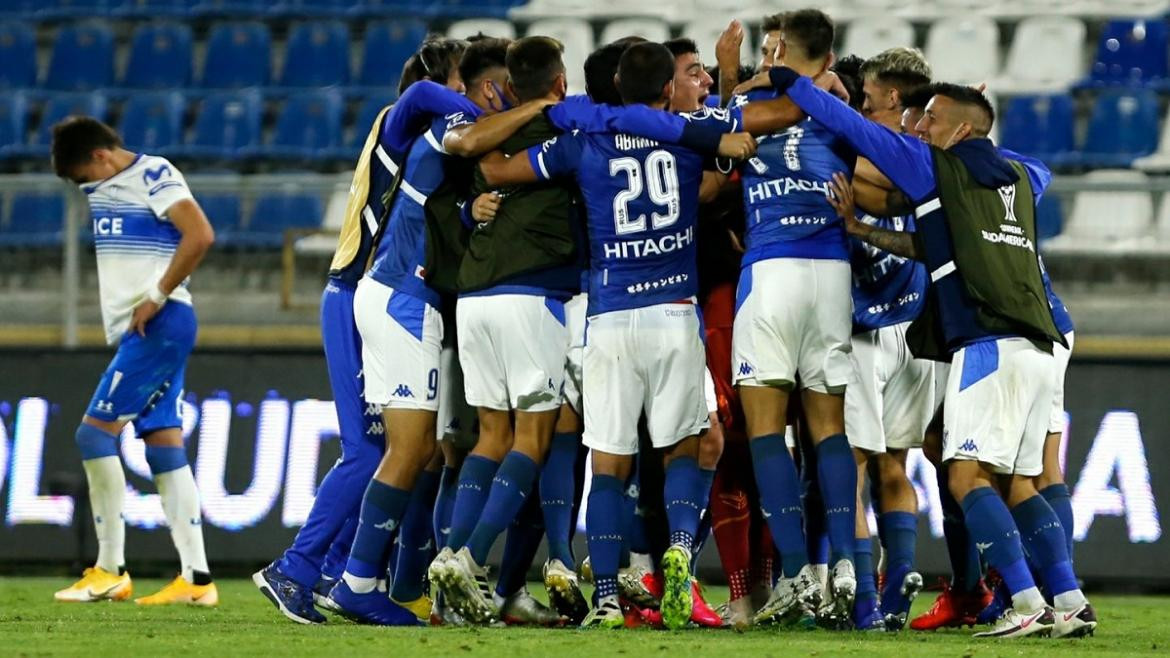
(144, 381)
(402, 338)
(998, 405)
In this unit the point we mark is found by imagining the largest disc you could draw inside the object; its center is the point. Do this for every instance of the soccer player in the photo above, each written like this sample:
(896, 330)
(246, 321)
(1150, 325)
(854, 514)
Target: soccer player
(793, 322)
(892, 401)
(644, 352)
(975, 207)
(149, 234)
(396, 313)
(519, 270)
(289, 582)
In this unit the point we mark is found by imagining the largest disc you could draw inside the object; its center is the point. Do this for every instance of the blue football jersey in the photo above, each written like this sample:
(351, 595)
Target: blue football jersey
(887, 289)
(642, 202)
(784, 188)
(401, 253)
(1060, 314)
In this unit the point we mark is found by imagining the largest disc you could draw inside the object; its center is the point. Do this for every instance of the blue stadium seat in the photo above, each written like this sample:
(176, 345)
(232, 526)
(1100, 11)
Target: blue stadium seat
(18, 9)
(472, 8)
(365, 118)
(18, 56)
(1040, 126)
(1122, 127)
(223, 211)
(238, 55)
(56, 9)
(1132, 52)
(153, 122)
(307, 128)
(389, 9)
(227, 122)
(57, 107)
(152, 8)
(317, 55)
(309, 8)
(276, 213)
(388, 44)
(1049, 217)
(160, 57)
(36, 220)
(13, 124)
(82, 58)
(229, 8)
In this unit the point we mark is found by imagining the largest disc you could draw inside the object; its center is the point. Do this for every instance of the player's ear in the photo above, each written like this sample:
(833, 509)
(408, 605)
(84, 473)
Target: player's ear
(511, 88)
(894, 99)
(561, 86)
(668, 91)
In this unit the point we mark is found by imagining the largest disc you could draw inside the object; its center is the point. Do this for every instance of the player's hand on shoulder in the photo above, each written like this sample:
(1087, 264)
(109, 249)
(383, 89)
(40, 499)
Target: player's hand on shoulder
(143, 313)
(760, 80)
(840, 196)
(737, 145)
(485, 206)
(830, 82)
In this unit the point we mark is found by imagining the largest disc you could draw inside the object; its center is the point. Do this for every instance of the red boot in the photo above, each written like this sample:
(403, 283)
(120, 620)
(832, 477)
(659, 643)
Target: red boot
(702, 613)
(952, 609)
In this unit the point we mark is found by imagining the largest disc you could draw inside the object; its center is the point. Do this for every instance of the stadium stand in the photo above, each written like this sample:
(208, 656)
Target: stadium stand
(18, 55)
(238, 84)
(160, 57)
(1131, 216)
(36, 220)
(273, 214)
(153, 122)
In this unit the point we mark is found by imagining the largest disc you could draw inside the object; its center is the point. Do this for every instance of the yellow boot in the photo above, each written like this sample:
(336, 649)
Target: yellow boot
(181, 591)
(421, 607)
(97, 584)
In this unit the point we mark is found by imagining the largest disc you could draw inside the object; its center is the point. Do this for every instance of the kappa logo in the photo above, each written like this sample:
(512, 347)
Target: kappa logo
(373, 410)
(389, 525)
(403, 391)
(375, 428)
(969, 446)
(745, 369)
(981, 546)
(737, 500)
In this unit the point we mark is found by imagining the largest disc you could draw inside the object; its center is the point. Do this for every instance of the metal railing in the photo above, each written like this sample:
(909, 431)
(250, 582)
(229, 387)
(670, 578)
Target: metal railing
(315, 245)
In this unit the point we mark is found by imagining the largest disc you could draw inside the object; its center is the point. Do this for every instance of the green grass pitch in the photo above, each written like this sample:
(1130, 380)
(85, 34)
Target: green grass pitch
(245, 623)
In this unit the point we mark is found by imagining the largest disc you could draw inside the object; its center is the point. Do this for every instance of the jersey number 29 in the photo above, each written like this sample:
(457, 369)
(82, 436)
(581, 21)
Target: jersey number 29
(661, 175)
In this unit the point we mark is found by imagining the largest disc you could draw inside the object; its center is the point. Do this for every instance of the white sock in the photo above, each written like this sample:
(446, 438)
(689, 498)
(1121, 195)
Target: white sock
(822, 572)
(358, 584)
(642, 560)
(1028, 601)
(180, 501)
(1070, 600)
(107, 491)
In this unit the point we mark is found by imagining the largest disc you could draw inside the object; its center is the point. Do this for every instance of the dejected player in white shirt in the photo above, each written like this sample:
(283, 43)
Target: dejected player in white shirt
(149, 235)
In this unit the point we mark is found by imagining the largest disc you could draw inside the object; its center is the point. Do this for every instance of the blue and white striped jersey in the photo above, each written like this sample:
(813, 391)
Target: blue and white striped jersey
(133, 236)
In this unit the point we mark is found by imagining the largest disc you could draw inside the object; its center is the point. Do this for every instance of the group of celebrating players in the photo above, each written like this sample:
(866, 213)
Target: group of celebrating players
(733, 307)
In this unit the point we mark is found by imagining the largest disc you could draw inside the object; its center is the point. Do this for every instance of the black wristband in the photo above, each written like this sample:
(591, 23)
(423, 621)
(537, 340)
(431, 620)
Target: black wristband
(782, 78)
(702, 140)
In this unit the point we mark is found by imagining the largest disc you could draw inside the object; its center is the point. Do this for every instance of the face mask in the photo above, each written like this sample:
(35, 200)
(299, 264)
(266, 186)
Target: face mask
(504, 104)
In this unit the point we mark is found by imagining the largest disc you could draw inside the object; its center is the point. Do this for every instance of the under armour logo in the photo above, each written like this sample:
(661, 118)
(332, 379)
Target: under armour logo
(403, 391)
(105, 405)
(968, 446)
(983, 546)
(745, 369)
(1007, 194)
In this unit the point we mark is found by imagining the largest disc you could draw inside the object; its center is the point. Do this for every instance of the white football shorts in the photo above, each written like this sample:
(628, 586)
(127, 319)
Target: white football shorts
(575, 323)
(1062, 355)
(402, 339)
(648, 359)
(891, 400)
(998, 405)
(512, 349)
(794, 319)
